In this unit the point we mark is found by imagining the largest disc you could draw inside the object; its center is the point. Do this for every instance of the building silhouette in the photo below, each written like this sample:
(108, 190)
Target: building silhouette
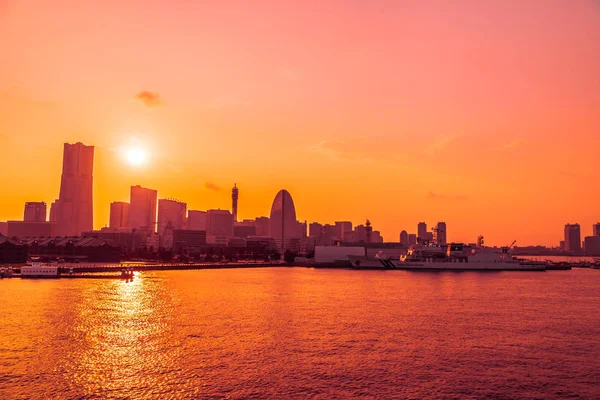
(262, 225)
(596, 229)
(412, 239)
(572, 238)
(73, 210)
(234, 202)
(219, 223)
(196, 220)
(421, 231)
(119, 215)
(283, 224)
(439, 233)
(35, 211)
(342, 227)
(142, 208)
(171, 213)
(404, 238)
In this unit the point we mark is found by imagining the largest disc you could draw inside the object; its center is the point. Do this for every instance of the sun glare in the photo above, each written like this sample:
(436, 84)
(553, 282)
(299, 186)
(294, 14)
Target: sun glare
(136, 156)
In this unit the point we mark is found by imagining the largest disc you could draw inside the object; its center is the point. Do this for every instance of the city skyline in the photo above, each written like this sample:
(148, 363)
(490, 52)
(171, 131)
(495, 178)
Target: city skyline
(154, 215)
(405, 119)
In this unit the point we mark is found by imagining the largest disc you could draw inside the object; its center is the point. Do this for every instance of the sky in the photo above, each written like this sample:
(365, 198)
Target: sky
(484, 114)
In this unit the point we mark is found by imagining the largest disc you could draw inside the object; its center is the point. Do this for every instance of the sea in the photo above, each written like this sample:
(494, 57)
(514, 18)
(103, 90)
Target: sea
(303, 333)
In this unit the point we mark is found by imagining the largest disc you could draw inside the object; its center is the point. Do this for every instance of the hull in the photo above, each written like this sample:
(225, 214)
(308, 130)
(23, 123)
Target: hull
(362, 263)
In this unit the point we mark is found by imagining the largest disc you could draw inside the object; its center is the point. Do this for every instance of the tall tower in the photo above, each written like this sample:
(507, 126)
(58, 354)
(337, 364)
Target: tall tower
(234, 200)
(73, 210)
(368, 232)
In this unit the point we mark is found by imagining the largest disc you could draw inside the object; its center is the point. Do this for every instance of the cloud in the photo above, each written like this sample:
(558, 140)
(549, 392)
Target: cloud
(440, 143)
(212, 186)
(150, 99)
(440, 196)
(361, 149)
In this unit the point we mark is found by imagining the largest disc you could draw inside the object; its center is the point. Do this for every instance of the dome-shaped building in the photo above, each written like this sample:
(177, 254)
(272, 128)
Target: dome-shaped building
(283, 225)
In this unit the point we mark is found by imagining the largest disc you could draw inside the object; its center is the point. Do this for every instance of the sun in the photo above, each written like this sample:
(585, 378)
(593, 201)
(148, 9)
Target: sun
(136, 156)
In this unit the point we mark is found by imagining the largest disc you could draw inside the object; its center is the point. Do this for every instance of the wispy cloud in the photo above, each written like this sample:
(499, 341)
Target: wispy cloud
(440, 143)
(361, 149)
(441, 196)
(212, 186)
(149, 99)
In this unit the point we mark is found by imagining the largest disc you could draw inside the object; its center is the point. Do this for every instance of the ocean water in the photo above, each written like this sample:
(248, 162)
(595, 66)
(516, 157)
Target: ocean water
(303, 333)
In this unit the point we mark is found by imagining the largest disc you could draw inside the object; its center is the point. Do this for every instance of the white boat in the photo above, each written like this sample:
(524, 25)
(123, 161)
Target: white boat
(458, 257)
(39, 270)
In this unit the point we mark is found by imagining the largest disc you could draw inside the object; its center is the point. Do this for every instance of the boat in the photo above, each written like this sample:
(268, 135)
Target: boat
(39, 270)
(6, 272)
(458, 257)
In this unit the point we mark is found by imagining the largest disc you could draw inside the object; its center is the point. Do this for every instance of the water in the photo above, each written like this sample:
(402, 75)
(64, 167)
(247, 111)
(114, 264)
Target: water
(303, 333)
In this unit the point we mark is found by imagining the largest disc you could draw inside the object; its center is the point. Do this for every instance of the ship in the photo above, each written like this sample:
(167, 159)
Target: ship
(456, 257)
(39, 270)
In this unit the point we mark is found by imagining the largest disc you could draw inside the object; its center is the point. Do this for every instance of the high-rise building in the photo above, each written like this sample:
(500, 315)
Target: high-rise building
(404, 238)
(342, 227)
(421, 231)
(35, 211)
(196, 220)
(596, 229)
(376, 237)
(142, 208)
(219, 223)
(315, 229)
(439, 233)
(262, 226)
(234, 202)
(119, 214)
(73, 210)
(572, 238)
(171, 213)
(591, 245)
(412, 239)
(283, 226)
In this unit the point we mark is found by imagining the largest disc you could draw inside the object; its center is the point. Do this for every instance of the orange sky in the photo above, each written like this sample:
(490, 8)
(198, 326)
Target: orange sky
(485, 114)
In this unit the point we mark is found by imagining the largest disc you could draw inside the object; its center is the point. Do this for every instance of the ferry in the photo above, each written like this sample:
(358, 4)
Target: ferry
(6, 272)
(39, 270)
(457, 257)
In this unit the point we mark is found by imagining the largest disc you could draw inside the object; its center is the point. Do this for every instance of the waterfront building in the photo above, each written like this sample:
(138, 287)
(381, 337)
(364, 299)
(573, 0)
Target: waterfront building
(23, 229)
(196, 220)
(412, 239)
(219, 223)
(439, 233)
(12, 252)
(421, 231)
(341, 227)
(404, 238)
(596, 229)
(119, 215)
(188, 240)
(4, 228)
(572, 238)
(35, 211)
(262, 226)
(315, 229)
(73, 210)
(591, 245)
(171, 213)
(142, 208)
(283, 223)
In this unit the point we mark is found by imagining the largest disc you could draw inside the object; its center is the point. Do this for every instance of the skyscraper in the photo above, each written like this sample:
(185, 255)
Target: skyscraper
(73, 210)
(315, 229)
(572, 238)
(421, 231)
(119, 214)
(404, 238)
(439, 233)
(596, 229)
(171, 213)
(142, 208)
(283, 220)
(234, 202)
(35, 211)
(342, 227)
